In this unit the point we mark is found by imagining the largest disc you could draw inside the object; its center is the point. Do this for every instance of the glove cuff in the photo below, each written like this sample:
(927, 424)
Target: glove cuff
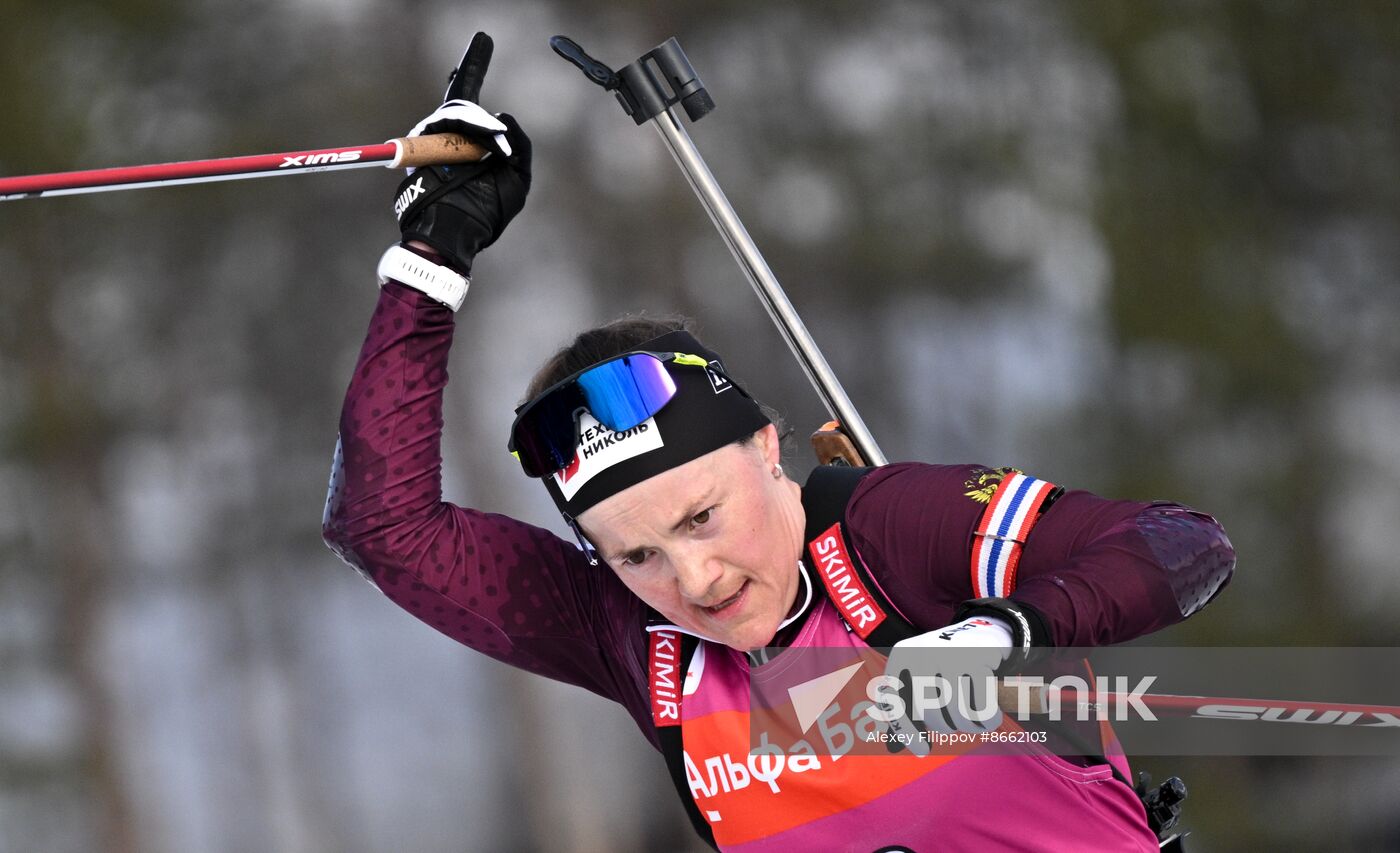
(1027, 626)
(435, 281)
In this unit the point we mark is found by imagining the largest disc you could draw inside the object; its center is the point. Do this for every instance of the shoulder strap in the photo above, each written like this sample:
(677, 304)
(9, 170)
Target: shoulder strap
(828, 490)
(844, 576)
(1016, 503)
(668, 657)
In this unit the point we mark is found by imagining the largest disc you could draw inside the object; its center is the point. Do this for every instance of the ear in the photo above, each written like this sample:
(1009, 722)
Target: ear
(768, 444)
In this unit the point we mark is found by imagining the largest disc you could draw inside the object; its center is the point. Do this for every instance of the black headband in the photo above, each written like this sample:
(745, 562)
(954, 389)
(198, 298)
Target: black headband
(708, 412)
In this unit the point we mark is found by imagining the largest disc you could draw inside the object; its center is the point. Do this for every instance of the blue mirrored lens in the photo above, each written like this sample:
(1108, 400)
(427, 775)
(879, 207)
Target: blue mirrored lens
(626, 391)
(546, 435)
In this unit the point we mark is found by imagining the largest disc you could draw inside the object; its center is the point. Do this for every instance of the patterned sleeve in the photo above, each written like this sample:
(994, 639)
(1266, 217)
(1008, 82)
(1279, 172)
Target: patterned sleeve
(513, 591)
(1098, 571)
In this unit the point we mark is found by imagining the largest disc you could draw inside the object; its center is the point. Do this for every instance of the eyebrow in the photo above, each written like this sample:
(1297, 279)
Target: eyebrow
(693, 508)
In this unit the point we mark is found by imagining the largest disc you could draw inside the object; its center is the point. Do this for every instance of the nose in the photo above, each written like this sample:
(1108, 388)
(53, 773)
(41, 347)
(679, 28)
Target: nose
(696, 575)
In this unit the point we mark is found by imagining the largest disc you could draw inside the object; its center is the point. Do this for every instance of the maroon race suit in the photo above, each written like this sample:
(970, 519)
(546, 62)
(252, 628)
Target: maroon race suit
(1097, 571)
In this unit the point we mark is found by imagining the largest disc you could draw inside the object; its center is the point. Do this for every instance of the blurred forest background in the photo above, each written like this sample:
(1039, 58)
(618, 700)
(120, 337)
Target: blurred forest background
(1148, 249)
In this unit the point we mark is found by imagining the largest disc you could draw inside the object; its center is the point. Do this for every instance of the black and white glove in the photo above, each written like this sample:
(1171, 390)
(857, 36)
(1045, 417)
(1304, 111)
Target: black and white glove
(459, 210)
(947, 680)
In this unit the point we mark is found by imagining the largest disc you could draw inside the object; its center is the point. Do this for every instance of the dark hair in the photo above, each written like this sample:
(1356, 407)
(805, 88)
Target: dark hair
(602, 343)
(611, 339)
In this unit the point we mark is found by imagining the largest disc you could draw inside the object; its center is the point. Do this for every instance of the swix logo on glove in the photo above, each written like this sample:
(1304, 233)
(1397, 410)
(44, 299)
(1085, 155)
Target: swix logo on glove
(320, 159)
(413, 191)
(599, 448)
(971, 623)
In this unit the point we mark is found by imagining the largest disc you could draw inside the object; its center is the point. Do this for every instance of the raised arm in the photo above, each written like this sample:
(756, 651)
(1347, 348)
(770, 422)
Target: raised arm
(503, 587)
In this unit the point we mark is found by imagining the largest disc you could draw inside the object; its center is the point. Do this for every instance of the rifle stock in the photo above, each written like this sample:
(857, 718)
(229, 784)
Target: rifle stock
(833, 447)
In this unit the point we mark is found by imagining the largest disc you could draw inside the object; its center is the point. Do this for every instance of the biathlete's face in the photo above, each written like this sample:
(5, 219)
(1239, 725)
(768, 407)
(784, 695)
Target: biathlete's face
(712, 544)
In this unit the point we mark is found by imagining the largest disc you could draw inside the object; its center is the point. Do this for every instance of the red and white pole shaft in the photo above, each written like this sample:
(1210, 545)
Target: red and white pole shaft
(1040, 699)
(428, 150)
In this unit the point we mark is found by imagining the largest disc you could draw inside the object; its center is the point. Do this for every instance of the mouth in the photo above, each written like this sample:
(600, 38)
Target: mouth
(730, 605)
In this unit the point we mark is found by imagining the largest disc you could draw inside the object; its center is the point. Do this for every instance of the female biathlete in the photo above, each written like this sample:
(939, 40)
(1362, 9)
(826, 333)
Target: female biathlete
(694, 549)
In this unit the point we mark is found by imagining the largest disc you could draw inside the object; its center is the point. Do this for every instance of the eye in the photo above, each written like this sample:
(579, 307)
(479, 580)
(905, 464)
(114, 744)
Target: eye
(702, 517)
(634, 558)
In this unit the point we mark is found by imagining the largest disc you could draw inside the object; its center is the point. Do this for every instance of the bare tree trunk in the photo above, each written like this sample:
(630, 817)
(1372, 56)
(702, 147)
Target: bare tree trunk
(83, 573)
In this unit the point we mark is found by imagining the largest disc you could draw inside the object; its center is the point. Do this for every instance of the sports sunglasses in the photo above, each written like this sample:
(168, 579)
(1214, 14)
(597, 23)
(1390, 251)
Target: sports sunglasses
(621, 393)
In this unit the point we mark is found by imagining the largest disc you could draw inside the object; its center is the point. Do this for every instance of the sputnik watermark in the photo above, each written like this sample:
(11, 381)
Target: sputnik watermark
(1158, 700)
(905, 737)
(1023, 698)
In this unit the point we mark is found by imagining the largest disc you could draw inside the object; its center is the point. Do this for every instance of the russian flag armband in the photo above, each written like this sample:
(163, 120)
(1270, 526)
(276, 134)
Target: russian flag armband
(1001, 535)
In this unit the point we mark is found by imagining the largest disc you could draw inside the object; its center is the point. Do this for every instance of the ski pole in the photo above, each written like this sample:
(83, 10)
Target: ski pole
(649, 89)
(405, 152)
(1042, 699)
(427, 150)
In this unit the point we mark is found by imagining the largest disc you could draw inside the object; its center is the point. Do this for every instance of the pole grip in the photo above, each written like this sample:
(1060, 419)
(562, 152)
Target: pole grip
(435, 149)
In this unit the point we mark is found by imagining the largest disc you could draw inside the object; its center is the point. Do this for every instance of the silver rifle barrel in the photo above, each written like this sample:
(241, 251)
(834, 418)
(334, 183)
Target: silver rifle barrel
(766, 285)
